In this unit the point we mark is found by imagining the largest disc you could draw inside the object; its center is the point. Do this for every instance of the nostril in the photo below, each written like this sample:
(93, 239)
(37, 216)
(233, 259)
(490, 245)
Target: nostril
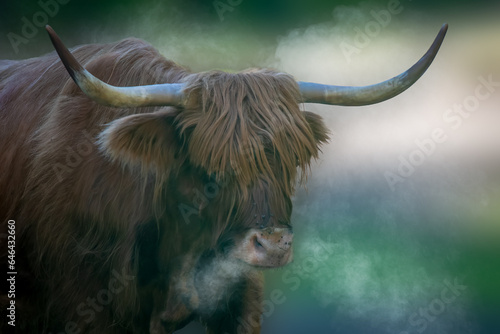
(258, 245)
(287, 239)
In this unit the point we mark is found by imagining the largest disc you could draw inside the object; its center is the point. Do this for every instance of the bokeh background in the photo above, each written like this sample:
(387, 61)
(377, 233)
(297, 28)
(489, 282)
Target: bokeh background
(395, 233)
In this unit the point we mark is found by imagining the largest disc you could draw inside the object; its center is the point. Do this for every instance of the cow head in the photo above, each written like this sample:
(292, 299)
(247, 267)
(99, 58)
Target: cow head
(244, 133)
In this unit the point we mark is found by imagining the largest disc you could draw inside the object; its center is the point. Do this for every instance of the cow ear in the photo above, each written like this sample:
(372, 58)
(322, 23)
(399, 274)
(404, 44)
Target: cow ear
(320, 131)
(145, 140)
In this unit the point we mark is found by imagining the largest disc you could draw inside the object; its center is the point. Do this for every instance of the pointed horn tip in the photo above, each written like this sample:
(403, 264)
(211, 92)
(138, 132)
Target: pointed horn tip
(69, 61)
(436, 45)
(51, 32)
(444, 29)
(442, 32)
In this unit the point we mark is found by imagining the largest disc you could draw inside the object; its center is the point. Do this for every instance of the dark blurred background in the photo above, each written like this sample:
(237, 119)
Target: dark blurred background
(268, 19)
(395, 233)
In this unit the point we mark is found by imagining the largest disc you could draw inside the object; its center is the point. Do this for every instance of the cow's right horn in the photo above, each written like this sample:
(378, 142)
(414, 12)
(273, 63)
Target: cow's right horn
(360, 96)
(170, 94)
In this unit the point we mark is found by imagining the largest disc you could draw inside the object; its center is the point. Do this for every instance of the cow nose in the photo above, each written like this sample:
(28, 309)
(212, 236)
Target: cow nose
(266, 248)
(286, 240)
(274, 239)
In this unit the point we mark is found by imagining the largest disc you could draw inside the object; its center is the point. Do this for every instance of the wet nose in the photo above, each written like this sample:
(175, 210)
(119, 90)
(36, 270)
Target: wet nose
(272, 238)
(286, 239)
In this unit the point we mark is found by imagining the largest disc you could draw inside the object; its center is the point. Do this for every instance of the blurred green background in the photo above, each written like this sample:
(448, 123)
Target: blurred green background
(369, 258)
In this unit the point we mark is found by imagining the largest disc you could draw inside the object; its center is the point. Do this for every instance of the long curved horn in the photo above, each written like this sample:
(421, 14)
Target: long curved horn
(137, 96)
(359, 96)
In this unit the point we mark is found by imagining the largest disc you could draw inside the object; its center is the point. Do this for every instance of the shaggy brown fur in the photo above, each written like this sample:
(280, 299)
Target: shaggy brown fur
(104, 198)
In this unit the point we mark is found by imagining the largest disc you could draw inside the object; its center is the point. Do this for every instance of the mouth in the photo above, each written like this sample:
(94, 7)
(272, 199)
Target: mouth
(261, 266)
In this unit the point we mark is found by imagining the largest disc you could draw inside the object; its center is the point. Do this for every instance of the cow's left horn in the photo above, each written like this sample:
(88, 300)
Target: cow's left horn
(359, 96)
(170, 94)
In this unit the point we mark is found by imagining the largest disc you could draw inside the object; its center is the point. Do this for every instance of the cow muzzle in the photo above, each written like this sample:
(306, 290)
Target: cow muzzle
(266, 248)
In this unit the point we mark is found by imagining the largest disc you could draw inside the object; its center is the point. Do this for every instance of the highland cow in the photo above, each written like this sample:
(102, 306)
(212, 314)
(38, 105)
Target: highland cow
(156, 196)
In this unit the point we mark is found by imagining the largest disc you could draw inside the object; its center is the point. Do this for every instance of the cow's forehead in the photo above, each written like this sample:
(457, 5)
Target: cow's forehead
(248, 124)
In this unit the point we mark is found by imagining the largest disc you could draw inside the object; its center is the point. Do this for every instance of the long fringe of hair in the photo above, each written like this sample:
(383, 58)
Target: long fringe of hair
(248, 125)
